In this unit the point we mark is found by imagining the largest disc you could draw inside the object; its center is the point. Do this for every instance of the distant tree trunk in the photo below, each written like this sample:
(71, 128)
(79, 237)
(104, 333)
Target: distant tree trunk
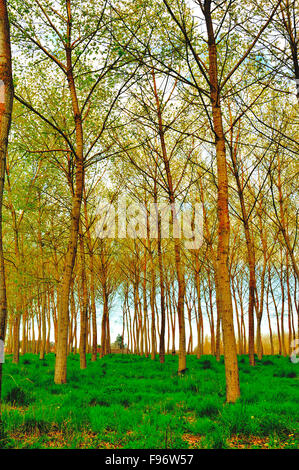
(284, 351)
(105, 324)
(93, 312)
(243, 330)
(75, 335)
(289, 307)
(33, 335)
(168, 324)
(16, 339)
(213, 349)
(145, 312)
(199, 310)
(162, 289)
(54, 315)
(276, 314)
(251, 261)
(238, 319)
(43, 293)
(152, 301)
(260, 301)
(37, 347)
(18, 264)
(84, 309)
(171, 317)
(282, 220)
(72, 308)
(190, 342)
(92, 285)
(108, 339)
(269, 319)
(197, 330)
(9, 337)
(137, 314)
(49, 323)
(214, 261)
(177, 243)
(24, 339)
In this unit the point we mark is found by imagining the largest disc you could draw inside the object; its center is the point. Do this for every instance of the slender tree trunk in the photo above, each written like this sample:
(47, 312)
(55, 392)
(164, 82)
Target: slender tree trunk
(282, 220)
(108, 340)
(289, 306)
(177, 244)
(152, 302)
(84, 309)
(172, 321)
(63, 317)
(43, 293)
(238, 320)
(284, 351)
(49, 323)
(92, 285)
(269, 319)
(214, 261)
(145, 312)
(213, 349)
(223, 291)
(104, 334)
(93, 312)
(251, 261)
(162, 291)
(16, 339)
(199, 310)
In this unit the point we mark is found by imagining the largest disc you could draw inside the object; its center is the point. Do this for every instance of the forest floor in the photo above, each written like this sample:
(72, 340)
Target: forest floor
(131, 402)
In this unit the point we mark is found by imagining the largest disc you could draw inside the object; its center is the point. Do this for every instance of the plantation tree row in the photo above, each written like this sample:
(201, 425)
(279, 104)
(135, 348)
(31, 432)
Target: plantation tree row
(189, 104)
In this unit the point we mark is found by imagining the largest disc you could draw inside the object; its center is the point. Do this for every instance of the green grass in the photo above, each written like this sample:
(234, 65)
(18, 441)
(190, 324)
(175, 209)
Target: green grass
(134, 402)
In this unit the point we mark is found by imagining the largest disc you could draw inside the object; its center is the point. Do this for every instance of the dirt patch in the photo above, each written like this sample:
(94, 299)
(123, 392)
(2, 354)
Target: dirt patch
(247, 442)
(58, 439)
(192, 440)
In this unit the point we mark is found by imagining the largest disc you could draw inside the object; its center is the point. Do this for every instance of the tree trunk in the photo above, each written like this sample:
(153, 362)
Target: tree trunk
(104, 323)
(63, 316)
(16, 339)
(6, 92)
(222, 273)
(84, 309)
(177, 244)
(43, 293)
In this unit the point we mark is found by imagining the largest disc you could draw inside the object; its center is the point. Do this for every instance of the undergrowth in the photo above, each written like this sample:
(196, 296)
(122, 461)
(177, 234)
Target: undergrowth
(134, 402)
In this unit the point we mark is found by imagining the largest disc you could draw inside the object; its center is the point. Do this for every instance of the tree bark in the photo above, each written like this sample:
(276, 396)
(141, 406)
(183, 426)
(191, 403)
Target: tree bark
(63, 316)
(223, 292)
(6, 103)
(84, 309)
